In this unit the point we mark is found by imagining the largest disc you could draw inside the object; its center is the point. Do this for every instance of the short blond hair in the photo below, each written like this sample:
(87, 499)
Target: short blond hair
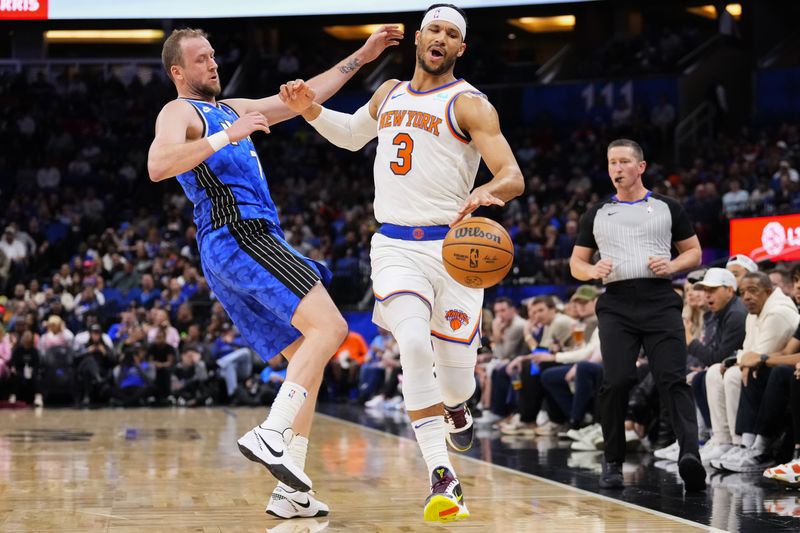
(171, 53)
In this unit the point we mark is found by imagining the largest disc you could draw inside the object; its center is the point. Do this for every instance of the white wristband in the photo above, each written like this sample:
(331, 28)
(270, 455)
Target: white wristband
(219, 140)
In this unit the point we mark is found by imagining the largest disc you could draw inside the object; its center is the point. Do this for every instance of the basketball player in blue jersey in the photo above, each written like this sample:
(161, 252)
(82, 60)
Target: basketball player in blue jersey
(273, 294)
(432, 133)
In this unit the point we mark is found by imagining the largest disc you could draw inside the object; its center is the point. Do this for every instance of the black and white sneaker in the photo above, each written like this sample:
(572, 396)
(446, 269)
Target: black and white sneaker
(294, 504)
(268, 447)
(460, 429)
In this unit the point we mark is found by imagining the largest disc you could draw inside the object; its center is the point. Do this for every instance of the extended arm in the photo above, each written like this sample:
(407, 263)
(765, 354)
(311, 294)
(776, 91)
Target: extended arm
(329, 82)
(350, 132)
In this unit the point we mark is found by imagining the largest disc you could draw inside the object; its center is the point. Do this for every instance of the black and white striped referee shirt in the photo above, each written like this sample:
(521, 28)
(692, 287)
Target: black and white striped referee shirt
(628, 233)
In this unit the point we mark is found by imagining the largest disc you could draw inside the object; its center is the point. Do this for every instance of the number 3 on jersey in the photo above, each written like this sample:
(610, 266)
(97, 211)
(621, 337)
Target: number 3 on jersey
(405, 145)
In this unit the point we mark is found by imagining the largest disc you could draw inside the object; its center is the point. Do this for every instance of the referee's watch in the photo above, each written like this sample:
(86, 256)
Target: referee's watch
(764, 358)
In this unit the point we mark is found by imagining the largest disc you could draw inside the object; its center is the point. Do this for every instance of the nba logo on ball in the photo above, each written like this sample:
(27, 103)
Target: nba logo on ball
(473, 258)
(477, 252)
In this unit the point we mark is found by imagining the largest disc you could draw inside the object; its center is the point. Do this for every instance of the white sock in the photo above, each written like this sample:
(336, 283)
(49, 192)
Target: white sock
(285, 407)
(761, 444)
(748, 439)
(430, 437)
(298, 449)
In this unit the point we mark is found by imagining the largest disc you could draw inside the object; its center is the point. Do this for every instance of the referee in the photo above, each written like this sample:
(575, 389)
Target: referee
(634, 231)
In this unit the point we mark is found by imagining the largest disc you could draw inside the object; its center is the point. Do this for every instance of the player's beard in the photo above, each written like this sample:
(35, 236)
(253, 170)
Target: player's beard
(206, 90)
(447, 64)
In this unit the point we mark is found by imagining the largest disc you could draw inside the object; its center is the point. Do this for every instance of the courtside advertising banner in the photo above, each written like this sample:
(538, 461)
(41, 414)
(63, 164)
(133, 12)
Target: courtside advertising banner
(776, 238)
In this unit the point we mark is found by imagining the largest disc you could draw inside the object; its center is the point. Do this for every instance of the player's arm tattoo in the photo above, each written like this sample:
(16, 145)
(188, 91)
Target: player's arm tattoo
(350, 66)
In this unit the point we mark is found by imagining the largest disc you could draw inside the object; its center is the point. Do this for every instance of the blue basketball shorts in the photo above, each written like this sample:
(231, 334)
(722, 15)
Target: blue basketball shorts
(259, 279)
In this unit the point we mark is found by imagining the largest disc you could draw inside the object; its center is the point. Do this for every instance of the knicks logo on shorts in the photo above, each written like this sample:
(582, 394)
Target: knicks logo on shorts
(456, 318)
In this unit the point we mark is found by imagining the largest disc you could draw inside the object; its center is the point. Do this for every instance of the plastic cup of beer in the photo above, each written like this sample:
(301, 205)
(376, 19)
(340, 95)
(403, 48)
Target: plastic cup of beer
(579, 334)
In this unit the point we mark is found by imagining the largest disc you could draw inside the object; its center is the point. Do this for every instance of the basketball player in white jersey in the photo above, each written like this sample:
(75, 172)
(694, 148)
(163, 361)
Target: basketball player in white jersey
(432, 132)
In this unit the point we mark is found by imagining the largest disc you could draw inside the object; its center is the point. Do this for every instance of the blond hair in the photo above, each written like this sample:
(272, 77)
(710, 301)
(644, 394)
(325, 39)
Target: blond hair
(171, 53)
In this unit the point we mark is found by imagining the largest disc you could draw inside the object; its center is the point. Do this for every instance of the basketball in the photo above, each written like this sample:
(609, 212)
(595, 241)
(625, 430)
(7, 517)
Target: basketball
(477, 252)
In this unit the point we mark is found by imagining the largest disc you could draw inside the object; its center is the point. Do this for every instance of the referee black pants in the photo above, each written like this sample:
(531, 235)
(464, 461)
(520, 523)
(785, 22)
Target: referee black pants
(635, 314)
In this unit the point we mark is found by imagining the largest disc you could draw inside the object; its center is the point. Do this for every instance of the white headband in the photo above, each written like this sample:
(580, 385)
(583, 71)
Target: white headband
(447, 14)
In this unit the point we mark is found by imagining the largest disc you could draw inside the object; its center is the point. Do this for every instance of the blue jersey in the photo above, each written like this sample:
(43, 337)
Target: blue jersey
(229, 186)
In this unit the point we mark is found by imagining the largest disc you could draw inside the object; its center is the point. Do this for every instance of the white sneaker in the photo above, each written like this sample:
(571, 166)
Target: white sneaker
(12, 398)
(550, 428)
(269, 448)
(37, 400)
(670, 453)
(748, 461)
(513, 421)
(712, 450)
(375, 401)
(592, 440)
(728, 456)
(520, 429)
(395, 403)
(578, 434)
(294, 504)
(487, 417)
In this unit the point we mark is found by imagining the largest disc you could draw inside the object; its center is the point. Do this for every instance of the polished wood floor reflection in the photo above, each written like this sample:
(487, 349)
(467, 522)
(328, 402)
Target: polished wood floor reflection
(180, 470)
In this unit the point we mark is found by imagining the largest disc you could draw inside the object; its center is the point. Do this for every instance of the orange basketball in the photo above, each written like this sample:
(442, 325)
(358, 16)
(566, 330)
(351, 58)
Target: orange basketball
(477, 252)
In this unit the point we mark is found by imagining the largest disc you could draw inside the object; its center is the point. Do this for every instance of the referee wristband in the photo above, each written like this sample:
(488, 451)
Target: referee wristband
(219, 140)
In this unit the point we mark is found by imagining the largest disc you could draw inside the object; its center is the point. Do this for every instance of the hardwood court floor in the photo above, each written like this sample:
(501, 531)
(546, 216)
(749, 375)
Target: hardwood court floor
(179, 470)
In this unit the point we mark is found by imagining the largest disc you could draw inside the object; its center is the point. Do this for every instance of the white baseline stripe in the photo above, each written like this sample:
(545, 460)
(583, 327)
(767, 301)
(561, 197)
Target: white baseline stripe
(544, 480)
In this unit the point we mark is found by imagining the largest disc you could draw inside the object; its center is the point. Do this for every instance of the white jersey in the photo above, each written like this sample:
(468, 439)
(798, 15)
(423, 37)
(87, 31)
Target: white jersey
(425, 166)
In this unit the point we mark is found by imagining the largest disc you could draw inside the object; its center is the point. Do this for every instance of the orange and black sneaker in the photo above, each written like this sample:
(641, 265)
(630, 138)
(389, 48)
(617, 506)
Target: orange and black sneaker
(446, 500)
(460, 429)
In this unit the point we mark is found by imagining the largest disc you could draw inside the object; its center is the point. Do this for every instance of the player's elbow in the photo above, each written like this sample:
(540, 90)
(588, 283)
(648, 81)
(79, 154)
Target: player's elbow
(518, 184)
(156, 172)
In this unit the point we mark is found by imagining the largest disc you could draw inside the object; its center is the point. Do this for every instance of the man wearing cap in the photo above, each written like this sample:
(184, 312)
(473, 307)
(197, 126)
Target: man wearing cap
(771, 321)
(740, 265)
(723, 335)
(432, 133)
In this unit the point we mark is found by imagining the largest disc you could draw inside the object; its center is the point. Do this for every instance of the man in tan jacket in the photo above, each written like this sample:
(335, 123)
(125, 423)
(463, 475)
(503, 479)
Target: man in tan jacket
(772, 319)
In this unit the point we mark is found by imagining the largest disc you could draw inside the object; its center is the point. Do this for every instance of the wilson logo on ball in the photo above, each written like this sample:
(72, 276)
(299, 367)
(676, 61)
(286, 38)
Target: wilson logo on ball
(476, 232)
(477, 252)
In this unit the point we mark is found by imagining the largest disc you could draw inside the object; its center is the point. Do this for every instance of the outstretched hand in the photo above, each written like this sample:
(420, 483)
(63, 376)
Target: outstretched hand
(384, 37)
(247, 124)
(297, 95)
(477, 198)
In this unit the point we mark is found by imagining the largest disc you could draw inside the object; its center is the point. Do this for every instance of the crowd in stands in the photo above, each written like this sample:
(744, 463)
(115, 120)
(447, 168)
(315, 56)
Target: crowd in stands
(90, 242)
(648, 52)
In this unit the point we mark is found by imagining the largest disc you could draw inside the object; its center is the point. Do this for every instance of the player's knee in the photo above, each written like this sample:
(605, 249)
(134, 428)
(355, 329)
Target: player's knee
(458, 385)
(338, 330)
(732, 377)
(714, 374)
(420, 389)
